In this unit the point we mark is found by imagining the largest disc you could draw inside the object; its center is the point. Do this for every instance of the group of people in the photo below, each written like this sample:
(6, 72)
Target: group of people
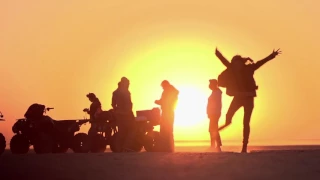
(122, 107)
(237, 79)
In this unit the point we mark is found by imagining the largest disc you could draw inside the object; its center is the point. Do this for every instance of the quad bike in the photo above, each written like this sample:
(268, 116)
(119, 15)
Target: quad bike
(145, 136)
(45, 134)
(2, 138)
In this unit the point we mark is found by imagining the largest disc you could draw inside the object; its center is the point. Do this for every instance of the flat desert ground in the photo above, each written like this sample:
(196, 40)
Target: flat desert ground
(186, 164)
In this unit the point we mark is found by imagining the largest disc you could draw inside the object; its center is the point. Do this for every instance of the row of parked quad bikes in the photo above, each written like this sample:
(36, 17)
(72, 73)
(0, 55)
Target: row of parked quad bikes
(64, 134)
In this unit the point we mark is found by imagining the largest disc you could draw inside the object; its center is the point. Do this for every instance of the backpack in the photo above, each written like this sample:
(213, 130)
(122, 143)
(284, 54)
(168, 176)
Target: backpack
(243, 82)
(224, 78)
(227, 80)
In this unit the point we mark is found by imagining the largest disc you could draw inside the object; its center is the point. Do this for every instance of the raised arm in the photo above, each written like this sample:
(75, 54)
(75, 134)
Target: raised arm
(258, 64)
(222, 58)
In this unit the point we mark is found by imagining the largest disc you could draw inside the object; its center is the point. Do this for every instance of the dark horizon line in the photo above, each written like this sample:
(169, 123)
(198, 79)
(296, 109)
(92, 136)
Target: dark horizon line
(251, 140)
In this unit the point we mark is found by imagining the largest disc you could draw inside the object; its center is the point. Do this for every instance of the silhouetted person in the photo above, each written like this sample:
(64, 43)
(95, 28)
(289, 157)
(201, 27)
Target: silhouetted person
(214, 112)
(35, 113)
(95, 108)
(114, 95)
(168, 103)
(243, 89)
(122, 105)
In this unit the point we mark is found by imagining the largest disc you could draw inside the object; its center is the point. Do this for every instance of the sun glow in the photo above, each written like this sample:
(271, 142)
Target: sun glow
(191, 107)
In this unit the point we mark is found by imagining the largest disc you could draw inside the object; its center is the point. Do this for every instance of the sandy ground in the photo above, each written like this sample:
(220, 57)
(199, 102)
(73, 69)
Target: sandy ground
(293, 164)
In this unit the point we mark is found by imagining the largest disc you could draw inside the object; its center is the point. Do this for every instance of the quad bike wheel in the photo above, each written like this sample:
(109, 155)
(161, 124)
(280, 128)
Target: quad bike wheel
(137, 146)
(164, 144)
(97, 144)
(62, 145)
(80, 143)
(2, 143)
(115, 144)
(60, 148)
(19, 144)
(150, 140)
(43, 144)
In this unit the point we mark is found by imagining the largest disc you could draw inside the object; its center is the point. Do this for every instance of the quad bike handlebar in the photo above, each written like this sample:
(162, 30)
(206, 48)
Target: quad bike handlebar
(48, 109)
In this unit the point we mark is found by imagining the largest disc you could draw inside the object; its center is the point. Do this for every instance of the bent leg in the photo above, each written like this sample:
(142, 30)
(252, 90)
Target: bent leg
(233, 108)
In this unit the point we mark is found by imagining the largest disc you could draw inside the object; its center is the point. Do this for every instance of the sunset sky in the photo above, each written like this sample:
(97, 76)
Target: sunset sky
(55, 52)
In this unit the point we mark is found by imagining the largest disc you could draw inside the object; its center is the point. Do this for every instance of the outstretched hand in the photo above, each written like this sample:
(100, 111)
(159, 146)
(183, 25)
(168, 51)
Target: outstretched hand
(276, 53)
(217, 52)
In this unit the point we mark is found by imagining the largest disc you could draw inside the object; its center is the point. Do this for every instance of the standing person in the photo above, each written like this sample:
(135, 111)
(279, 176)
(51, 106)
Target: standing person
(242, 86)
(114, 101)
(168, 103)
(95, 108)
(122, 105)
(214, 112)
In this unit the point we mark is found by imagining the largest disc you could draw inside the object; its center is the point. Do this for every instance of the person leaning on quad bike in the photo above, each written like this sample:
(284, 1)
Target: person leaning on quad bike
(95, 109)
(102, 125)
(39, 127)
(45, 134)
(36, 115)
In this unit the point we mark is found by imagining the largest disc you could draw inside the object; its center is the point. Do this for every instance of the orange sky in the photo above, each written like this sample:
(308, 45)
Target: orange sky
(56, 52)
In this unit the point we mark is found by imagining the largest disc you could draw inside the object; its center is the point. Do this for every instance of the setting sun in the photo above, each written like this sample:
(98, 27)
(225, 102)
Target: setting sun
(191, 108)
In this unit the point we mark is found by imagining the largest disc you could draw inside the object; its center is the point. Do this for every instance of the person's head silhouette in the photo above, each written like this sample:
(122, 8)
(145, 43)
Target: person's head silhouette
(124, 82)
(240, 61)
(213, 84)
(165, 84)
(91, 97)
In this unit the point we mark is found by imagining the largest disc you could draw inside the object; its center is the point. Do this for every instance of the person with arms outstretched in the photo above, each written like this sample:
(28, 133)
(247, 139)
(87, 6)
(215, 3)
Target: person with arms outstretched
(214, 112)
(241, 85)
